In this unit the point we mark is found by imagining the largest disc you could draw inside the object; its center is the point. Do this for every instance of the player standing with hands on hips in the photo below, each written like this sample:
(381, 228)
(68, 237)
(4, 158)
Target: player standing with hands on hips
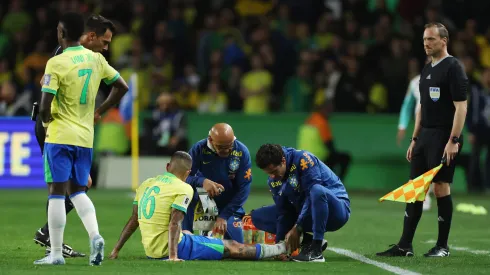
(437, 135)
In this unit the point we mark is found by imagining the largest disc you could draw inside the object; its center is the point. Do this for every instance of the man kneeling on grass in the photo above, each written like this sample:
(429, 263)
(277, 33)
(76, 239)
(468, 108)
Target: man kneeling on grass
(159, 209)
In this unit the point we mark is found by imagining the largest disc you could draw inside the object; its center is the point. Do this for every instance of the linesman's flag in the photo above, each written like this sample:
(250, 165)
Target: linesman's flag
(414, 190)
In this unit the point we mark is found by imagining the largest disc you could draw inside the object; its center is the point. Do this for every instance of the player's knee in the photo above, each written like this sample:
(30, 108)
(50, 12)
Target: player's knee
(75, 188)
(57, 189)
(442, 189)
(317, 192)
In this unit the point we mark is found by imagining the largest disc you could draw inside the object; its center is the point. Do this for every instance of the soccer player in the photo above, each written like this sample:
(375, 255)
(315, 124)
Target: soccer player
(73, 77)
(159, 209)
(221, 165)
(308, 196)
(97, 36)
(437, 135)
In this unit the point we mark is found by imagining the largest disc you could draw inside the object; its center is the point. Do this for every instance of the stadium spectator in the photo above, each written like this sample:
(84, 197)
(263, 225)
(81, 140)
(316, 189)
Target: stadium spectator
(478, 124)
(166, 131)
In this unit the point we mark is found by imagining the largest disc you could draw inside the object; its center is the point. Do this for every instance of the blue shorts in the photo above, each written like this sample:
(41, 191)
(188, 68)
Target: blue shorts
(67, 162)
(195, 247)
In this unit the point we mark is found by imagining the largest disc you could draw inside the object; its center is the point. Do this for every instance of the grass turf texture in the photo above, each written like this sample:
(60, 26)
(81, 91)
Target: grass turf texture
(371, 228)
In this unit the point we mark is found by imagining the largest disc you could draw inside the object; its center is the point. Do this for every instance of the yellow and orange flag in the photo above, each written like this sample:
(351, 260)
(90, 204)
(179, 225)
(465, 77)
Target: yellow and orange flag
(414, 190)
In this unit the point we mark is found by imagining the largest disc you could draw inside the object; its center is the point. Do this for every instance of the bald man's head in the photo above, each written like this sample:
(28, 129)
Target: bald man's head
(222, 137)
(180, 165)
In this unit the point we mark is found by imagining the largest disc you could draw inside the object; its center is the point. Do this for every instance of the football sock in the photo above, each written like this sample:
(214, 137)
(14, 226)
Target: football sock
(68, 208)
(445, 215)
(307, 238)
(56, 221)
(86, 211)
(267, 250)
(413, 212)
(316, 245)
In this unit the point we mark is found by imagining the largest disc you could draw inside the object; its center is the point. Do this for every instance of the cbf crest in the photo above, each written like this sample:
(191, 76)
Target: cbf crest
(293, 181)
(233, 167)
(435, 93)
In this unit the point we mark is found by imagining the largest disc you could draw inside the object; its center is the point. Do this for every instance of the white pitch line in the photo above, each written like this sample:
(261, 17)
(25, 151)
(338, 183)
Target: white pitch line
(465, 249)
(361, 258)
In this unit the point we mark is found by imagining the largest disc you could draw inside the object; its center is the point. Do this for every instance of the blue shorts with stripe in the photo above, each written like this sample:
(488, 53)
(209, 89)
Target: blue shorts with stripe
(67, 162)
(195, 247)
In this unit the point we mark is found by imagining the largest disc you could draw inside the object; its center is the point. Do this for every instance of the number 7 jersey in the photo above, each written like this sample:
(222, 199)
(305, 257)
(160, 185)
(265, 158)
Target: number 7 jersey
(74, 78)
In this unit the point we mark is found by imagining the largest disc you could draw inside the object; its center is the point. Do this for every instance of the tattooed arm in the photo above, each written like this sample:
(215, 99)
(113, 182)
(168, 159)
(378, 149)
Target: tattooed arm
(128, 230)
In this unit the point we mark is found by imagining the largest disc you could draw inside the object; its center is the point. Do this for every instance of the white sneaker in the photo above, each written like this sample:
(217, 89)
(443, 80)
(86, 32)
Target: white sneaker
(427, 203)
(96, 250)
(48, 260)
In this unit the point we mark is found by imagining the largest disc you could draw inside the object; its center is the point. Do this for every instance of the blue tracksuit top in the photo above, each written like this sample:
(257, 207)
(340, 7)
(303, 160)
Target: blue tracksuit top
(291, 194)
(233, 172)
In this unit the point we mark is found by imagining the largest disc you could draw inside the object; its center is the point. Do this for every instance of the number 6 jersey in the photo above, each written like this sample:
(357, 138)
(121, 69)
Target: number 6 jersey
(155, 199)
(74, 78)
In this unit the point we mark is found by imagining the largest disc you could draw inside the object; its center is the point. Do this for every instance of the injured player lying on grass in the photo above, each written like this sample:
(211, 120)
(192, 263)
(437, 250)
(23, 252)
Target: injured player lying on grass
(159, 209)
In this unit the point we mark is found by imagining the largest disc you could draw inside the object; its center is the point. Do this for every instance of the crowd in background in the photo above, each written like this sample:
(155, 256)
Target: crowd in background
(250, 56)
(253, 56)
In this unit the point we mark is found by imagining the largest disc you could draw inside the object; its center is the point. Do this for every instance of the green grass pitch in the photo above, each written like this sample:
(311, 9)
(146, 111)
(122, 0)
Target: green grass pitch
(371, 228)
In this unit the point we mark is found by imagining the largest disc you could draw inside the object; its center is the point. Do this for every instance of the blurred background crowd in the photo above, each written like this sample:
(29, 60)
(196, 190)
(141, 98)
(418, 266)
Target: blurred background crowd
(250, 56)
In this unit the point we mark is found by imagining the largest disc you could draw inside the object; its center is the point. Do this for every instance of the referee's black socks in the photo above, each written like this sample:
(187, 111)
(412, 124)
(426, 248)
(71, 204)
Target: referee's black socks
(413, 212)
(445, 215)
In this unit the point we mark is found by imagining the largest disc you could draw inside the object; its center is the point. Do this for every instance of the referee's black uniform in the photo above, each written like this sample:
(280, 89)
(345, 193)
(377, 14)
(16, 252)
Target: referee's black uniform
(441, 84)
(39, 129)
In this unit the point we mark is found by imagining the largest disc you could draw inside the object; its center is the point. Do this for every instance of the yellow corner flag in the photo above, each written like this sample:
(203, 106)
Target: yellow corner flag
(414, 190)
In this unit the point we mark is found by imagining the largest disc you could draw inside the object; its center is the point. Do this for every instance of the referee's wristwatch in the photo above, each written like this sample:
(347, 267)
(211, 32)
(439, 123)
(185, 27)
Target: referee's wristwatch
(455, 140)
(414, 139)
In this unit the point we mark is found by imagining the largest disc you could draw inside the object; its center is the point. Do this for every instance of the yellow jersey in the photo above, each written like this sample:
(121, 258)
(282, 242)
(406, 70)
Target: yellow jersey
(155, 199)
(74, 78)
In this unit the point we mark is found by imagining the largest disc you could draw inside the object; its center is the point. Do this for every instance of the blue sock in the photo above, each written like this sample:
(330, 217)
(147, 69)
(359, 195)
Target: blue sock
(258, 251)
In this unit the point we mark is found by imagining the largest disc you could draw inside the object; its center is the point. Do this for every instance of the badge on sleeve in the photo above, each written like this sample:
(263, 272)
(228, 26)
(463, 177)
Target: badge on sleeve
(47, 79)
(435, 93)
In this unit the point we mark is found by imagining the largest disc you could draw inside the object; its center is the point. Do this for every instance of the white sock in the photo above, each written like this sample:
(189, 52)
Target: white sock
(268, 250)
(56, 224)
(86, 211)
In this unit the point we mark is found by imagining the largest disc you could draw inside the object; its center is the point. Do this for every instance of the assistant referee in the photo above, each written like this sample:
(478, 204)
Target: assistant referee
(437, 135)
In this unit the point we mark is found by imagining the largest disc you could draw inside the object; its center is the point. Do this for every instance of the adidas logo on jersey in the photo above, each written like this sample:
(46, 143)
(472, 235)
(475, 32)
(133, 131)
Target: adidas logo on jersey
(428, 77)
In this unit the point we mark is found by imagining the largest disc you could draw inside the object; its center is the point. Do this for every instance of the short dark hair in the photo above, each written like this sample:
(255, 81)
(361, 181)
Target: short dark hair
(99, 24)
(182, 160)
(72, 25)
(443, 32)
(269, 154)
